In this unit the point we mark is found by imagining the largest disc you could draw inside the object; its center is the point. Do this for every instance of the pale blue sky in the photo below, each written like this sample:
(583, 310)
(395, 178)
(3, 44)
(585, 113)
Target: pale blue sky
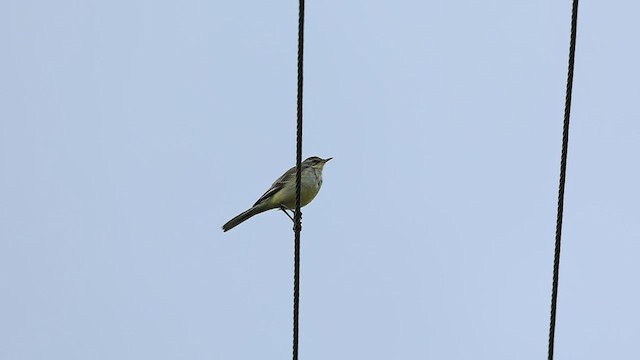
(130, 131)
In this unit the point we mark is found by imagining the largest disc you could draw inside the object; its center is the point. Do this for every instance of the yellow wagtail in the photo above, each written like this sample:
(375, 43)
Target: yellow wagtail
(282, 194)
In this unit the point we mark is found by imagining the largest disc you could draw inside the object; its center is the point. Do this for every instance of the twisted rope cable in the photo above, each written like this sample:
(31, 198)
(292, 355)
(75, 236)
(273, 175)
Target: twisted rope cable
(563, 173)
(298, 214)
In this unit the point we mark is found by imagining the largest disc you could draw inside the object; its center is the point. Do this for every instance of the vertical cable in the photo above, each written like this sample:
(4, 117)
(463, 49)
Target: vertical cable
(298, 214)
(563, 172)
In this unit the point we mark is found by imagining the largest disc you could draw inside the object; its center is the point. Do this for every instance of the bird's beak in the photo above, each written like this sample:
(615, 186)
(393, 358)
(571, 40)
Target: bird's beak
(327, 160)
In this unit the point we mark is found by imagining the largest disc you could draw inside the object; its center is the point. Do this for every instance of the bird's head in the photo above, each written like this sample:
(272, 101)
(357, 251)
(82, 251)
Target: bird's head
(315, 162)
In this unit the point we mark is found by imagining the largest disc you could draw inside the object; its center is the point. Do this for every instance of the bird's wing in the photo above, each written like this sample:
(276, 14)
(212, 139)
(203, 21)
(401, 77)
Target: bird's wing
(277, 185)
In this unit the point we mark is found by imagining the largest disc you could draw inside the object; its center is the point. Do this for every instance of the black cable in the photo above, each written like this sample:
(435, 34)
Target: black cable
(298, 215)
(563, 172)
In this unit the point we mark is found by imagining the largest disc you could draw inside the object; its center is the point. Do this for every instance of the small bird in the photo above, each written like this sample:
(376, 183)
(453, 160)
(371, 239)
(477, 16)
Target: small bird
(282, 194)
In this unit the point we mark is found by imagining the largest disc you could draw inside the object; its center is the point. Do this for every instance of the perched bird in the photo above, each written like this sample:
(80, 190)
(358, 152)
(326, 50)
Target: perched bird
(282, 194)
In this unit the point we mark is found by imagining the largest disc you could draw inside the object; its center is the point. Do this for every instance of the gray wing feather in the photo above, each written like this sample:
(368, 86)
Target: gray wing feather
(277, 185)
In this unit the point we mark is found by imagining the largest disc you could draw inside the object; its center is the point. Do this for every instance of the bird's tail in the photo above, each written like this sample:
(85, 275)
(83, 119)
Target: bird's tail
(243, 217)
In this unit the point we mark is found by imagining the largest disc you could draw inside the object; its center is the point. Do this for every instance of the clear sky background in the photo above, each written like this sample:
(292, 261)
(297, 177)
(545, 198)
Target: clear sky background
(130, 131)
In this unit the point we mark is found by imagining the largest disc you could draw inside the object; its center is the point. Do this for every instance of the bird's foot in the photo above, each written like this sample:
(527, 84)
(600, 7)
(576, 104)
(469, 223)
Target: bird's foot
(284, 209)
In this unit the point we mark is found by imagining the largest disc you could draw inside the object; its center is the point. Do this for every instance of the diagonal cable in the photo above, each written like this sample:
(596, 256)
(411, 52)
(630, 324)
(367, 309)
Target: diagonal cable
(298, 214)
(563, 172)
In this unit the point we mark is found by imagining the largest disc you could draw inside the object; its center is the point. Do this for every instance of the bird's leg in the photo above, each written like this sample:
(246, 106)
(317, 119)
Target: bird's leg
(284, 209)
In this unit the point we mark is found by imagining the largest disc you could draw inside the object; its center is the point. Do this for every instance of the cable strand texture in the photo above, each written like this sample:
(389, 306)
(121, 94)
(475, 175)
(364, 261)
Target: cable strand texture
(298, 214)
(563, 172)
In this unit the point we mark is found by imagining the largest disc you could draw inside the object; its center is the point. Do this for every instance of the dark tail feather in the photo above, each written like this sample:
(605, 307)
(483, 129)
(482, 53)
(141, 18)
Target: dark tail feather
(242, 217)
